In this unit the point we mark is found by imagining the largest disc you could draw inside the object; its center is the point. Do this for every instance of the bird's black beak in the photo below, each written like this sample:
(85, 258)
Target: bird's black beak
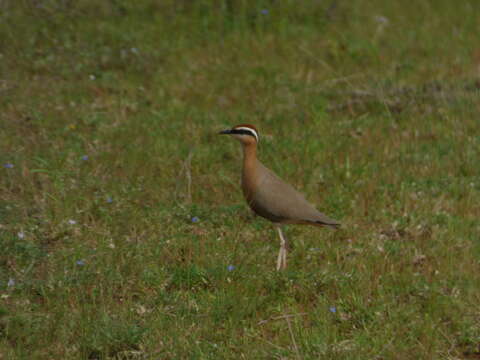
(225, 132)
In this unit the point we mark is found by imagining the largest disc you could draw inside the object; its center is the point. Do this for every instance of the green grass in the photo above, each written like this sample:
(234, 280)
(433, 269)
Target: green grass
(368, 107)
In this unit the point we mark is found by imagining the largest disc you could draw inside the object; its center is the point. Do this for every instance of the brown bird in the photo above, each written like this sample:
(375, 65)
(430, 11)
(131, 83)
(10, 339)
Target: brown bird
(271, 197)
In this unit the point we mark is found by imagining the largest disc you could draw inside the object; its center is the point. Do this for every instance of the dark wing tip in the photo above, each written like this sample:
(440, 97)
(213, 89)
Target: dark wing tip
(334, 225)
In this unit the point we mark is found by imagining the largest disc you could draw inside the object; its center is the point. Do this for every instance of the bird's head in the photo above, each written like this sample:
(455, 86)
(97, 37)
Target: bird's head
(245, 133)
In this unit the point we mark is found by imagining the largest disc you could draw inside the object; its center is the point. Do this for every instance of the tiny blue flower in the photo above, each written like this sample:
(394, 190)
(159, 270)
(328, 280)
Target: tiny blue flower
(11, 282)
(8, 166)
(85, 157)
(264, 11)
(72, 222)
(21, 235)
(333, 309)
(195, 219)
(230, 267)
(109, 200)
(80, 263)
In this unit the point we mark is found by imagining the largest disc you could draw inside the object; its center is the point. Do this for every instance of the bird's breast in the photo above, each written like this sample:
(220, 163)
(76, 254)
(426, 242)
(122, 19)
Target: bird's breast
(248, 187)
(253, 190)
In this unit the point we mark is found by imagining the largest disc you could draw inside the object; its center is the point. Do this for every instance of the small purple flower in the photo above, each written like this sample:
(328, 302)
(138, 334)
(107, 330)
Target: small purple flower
(264, 11)
(333, 309)
(80, 262)
(21, 235)
(381, 19)
(85, 157)
(109, 200)
(72, 222)
(11, 282)
(8, 165)
(195, 219)
(230, 267)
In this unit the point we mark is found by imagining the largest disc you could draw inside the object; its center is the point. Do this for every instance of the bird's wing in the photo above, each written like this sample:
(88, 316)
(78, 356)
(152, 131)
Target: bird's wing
(278, 201)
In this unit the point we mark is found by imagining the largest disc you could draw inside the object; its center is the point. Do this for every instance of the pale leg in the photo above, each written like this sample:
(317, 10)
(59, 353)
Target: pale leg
(279, 259)
(282, 254)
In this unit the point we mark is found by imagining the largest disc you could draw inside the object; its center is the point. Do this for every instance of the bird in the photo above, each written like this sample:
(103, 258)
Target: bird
(271, 197)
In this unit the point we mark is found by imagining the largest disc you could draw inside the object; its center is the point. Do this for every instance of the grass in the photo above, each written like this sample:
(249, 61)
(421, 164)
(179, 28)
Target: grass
(123, 232)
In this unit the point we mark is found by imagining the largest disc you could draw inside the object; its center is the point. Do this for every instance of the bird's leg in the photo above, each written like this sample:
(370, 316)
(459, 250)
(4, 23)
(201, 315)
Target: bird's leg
(282, 254)
(279, 259)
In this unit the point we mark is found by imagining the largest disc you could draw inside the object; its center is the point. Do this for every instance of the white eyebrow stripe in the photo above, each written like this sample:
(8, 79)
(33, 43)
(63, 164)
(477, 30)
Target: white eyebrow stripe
(249, 129)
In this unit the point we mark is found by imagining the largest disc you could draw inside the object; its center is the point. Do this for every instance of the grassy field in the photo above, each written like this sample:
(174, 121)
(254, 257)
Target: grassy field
(123, 231)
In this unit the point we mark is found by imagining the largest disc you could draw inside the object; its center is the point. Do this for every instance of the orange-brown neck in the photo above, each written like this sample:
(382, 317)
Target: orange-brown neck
(249, 171)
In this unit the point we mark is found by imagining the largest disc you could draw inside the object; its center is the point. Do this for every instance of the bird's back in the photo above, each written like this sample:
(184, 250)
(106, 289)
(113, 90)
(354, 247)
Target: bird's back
(272, 198)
